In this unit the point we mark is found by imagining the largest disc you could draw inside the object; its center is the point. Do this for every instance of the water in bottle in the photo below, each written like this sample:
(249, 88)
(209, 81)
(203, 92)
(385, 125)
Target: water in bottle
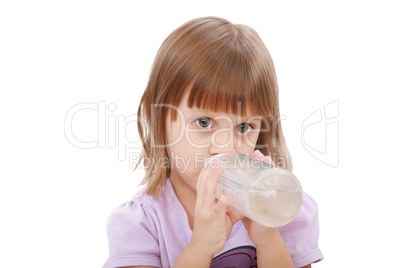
(264, 193)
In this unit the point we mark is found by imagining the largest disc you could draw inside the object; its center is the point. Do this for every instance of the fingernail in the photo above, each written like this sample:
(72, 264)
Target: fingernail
(269, 160)
(259, 153)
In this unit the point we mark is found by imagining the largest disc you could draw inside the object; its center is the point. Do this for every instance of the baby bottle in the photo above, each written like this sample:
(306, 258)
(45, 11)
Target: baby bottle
(267, 194)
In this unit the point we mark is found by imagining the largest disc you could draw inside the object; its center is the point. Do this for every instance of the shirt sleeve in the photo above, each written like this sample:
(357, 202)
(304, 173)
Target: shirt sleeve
(301, 234)
(133, 236)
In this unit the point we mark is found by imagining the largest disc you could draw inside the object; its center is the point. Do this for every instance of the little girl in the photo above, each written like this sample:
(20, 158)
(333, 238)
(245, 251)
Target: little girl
(212, 89)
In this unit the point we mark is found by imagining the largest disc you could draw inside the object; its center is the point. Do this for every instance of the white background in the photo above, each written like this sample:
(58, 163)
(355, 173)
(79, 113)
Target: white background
(55, 198)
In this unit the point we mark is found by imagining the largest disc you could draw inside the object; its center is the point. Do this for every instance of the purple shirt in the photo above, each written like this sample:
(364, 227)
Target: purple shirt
(153, 232)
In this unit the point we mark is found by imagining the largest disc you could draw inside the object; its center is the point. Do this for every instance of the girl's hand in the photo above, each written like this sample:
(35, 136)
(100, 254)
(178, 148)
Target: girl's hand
(271, 249)
(212, 225)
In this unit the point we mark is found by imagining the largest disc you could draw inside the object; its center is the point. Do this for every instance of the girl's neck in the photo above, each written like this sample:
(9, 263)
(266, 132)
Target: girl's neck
(186, 195)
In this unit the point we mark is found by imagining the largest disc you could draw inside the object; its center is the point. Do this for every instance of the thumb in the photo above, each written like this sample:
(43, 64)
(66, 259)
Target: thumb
(235, 216)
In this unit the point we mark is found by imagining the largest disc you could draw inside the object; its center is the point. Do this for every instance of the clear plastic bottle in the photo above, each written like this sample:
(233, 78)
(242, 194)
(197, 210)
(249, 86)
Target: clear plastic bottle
(267, 194)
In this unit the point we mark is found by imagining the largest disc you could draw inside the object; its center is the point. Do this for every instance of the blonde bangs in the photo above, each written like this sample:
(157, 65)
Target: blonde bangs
(230, 89)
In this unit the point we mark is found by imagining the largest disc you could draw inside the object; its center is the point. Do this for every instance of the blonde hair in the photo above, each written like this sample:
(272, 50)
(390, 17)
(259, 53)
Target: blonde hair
(228, 65)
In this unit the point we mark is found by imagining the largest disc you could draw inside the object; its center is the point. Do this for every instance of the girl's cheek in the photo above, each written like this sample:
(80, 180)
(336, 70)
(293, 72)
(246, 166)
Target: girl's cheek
(250, 140)
(198, 140)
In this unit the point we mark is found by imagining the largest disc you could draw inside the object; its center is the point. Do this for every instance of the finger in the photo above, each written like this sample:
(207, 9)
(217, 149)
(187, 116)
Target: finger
(266, 159)
(220, 207)
(208, 177)
(257, 154)
(234, 215)
(207, 182)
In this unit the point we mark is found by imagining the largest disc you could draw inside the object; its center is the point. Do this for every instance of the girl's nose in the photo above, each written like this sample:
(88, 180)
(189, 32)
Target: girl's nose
(222, 142)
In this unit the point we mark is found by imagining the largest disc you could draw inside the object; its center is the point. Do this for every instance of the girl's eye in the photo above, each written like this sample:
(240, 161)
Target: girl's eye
(204, 122)
(243, 128)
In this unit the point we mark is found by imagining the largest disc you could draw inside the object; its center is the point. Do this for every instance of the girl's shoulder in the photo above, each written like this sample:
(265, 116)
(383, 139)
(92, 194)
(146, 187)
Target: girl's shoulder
(306, 219)
(137, 208)
(302, 233)
(132, 231)
(143, 207)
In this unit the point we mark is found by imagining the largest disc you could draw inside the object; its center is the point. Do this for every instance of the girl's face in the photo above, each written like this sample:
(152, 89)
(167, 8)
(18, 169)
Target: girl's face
(199, 134)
